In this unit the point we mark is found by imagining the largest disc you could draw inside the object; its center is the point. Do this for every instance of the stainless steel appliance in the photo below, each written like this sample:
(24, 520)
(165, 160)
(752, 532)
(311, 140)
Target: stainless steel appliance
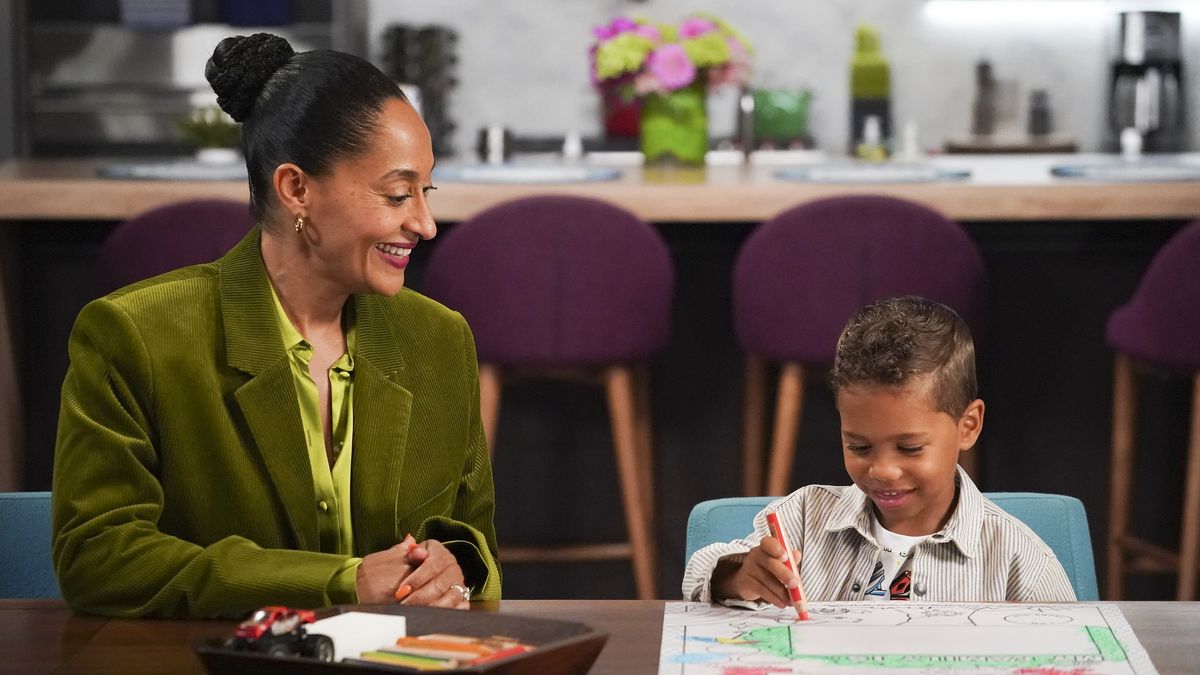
(1147, 82)
(116, 78)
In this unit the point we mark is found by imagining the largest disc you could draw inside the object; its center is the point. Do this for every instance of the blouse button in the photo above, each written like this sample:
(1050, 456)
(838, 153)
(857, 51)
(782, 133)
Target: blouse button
(856, 587)
(322, 506)
(919, 588)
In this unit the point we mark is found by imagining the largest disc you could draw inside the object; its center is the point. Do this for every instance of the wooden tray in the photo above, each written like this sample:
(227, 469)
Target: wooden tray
(561, 646)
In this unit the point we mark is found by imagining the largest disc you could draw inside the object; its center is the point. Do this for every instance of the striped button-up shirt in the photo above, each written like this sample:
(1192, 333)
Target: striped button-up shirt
(982, 554)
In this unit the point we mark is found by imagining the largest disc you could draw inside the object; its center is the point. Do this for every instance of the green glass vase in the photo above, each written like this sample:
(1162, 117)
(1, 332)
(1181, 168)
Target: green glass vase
(675, 127)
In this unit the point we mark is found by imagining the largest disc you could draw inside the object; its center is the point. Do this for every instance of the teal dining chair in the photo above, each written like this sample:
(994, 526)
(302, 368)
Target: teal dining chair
(26, 570)
(1059, 520)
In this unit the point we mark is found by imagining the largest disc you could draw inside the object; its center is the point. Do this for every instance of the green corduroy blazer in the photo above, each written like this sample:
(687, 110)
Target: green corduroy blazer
(182, 485)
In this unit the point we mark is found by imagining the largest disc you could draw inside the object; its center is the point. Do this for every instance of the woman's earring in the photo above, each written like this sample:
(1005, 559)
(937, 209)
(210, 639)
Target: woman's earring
(299, 223)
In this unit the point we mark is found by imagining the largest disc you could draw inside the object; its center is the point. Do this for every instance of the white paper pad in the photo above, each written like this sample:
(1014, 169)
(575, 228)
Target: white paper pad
(356, 632)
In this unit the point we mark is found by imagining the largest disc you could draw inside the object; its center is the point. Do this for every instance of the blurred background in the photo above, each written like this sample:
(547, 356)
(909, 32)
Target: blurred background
(113, 75)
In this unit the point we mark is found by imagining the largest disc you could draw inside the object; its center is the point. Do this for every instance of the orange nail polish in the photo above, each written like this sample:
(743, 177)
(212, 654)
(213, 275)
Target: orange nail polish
(402, 592)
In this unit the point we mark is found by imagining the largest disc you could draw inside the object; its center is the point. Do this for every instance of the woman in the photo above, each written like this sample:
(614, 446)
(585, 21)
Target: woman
(286, 425)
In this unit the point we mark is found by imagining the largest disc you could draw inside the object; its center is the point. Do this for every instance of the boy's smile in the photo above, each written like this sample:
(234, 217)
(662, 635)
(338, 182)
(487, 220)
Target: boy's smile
(902, 452)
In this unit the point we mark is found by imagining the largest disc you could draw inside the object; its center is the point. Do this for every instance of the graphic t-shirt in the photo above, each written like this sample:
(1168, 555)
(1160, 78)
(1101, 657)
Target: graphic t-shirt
(892, 577)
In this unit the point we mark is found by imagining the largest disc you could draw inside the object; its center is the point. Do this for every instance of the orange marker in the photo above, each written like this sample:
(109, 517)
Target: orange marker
(797, 593)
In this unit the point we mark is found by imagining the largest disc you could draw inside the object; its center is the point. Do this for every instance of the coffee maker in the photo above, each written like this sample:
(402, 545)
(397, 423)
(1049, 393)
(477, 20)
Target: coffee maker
(1147, 81)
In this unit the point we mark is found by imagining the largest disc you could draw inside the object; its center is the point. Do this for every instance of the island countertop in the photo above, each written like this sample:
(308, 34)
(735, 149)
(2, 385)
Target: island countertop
(1008, 188)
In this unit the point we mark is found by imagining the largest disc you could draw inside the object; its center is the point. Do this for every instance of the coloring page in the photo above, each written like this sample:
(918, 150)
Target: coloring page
(901, 637)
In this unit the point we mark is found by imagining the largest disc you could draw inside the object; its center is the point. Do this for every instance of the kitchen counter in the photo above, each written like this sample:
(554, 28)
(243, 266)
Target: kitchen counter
(1016, 188)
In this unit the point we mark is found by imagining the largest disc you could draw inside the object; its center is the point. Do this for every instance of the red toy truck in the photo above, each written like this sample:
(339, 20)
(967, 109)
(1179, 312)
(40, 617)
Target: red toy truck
(280, 631)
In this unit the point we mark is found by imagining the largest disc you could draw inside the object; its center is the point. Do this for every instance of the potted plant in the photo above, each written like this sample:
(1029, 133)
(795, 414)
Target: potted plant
(213, 133)
(668, 70)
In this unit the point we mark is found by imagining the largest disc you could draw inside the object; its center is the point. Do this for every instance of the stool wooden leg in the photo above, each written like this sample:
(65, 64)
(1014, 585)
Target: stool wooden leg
(489, 401)
(645, 435)
(753, 412)
(619, 387)
(789, 406)
(1189, 540)
(1121, 472)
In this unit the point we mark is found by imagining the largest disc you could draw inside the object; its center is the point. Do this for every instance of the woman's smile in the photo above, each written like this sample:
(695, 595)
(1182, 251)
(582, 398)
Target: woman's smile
(395, 255)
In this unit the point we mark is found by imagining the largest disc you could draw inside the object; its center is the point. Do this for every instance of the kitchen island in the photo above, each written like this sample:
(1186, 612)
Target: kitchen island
(1009, 188)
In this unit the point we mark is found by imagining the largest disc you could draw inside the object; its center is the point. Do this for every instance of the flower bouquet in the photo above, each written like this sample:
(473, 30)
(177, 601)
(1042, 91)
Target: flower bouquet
(667, 69)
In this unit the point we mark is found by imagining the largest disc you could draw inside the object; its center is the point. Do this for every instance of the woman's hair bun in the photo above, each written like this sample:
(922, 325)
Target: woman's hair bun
(240, 67)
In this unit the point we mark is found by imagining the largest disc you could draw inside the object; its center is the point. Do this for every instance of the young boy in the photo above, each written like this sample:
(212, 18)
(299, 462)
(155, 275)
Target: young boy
(913, 526)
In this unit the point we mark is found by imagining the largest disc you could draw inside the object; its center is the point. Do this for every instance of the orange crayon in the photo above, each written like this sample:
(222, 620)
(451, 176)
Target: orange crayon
(797, 594)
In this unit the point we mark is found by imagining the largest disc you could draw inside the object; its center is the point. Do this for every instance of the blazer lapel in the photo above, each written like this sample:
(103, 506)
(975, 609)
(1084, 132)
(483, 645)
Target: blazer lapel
(382, 411)
(268, 399)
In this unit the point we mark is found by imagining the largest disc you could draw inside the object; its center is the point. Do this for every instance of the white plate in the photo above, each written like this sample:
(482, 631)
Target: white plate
(873, 173)
(508, 173)
(177, 170)
(1142, 171)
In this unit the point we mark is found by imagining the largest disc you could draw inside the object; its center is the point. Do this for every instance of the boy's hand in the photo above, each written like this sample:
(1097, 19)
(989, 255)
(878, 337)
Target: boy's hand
(759, 575)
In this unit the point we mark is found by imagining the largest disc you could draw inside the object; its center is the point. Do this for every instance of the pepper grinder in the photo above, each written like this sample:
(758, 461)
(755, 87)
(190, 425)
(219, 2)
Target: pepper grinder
(983, 117)
(1039, 113)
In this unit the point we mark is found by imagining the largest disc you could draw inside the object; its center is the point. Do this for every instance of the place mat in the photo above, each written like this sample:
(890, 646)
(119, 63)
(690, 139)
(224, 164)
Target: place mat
(1140, 171)
(174, 170)
(560, 647)
(508, 173)
(873, 173)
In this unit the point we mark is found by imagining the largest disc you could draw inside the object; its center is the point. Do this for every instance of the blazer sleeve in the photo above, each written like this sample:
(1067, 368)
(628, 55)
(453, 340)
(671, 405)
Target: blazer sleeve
(109, 554)
(470, 533)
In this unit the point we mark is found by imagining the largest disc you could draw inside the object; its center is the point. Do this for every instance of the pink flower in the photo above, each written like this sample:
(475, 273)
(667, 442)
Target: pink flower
(617, 26)
(622, 24)
(592, 66)
(649, 32)
(737, 52)
(695, 27)
(671, 66)
(645, 84)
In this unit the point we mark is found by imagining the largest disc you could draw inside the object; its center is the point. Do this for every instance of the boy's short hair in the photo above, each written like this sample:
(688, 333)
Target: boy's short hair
(891, 341)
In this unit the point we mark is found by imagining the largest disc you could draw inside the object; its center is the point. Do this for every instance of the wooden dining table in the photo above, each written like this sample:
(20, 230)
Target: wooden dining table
(44, 636)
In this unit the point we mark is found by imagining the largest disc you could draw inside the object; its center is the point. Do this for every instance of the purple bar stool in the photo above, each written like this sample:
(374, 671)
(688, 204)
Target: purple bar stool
(169, 237)
(574, 288)
(1159, 328)
(801, 275)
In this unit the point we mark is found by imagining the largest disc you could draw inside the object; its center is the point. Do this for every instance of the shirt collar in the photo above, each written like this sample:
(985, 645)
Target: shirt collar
(292, 339)
(854, 511)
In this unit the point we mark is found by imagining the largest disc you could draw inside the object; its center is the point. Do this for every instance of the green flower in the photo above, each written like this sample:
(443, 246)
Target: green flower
(710, 49)
(623, 54)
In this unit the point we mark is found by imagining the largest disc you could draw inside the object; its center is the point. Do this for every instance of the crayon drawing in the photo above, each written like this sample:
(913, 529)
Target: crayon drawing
(901, 637)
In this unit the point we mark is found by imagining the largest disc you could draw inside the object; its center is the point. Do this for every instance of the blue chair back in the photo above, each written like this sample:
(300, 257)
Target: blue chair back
(1059, 520)
(26, 570)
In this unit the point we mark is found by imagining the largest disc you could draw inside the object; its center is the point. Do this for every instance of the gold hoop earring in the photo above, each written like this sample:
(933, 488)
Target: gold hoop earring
(299, 224)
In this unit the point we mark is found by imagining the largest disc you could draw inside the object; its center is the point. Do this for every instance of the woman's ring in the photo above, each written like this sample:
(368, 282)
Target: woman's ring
(463, 591)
